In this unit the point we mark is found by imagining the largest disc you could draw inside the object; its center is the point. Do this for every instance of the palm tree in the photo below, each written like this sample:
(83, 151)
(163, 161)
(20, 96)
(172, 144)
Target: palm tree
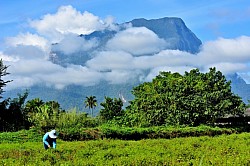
(91, 102)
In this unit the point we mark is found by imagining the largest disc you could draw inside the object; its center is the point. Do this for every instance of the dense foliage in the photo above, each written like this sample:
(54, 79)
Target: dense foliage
(13, 116)
(192, 99)
(112, 109)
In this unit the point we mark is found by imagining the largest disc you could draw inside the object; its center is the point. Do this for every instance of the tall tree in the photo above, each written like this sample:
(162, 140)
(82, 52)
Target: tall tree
(111, 108)
(3, 72)
(91, 103)
(191, 99)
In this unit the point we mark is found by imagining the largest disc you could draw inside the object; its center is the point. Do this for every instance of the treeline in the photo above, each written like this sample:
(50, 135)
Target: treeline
(171, 99)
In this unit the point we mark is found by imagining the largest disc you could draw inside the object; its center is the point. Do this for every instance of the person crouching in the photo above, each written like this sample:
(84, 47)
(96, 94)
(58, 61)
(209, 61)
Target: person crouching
(49, 139)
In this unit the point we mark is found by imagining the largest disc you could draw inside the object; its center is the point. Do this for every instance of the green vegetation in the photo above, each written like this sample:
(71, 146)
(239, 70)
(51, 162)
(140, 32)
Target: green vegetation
(132, 133)
(222, 150)
(78, 133)
(112, 109)
(91, 102)
(170, 99)
(191, 99)
(169, 107)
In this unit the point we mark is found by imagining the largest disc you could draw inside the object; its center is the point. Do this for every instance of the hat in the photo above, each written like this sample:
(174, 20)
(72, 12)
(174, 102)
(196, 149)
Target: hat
(52, 134)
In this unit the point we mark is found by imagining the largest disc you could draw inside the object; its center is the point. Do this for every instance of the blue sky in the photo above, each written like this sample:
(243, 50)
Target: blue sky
(29, 27)
(208, 19)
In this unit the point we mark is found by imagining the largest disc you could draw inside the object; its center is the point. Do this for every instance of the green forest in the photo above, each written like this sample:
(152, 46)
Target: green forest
(169, 107)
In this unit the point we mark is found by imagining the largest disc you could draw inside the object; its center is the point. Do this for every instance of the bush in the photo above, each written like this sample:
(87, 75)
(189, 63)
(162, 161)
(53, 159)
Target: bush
(75, 119)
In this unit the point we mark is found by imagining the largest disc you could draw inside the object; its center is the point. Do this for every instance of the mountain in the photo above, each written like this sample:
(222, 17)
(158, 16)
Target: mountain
(172, 30)
(239, 86)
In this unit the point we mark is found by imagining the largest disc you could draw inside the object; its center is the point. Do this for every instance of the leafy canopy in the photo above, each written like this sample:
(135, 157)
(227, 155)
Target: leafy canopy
(112, 108)
(191, 99)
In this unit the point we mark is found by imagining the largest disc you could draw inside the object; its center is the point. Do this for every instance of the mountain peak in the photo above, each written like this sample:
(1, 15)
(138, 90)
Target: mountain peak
(173, 30)
(159, 19)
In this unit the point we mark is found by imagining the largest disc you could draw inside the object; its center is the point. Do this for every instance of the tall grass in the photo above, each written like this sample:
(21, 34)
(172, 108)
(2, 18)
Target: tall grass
(75, 119)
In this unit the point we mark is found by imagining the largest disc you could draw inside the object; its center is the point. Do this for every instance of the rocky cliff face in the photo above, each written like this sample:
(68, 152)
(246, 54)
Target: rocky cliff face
(173, 30)
(239, 86)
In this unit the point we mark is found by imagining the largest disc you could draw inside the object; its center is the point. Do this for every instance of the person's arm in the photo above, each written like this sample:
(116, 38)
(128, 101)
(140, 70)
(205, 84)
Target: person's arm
(45, 137)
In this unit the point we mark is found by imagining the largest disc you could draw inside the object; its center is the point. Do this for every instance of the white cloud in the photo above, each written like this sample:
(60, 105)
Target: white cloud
(26, 52)
(45, 72)
(109, 60)
(28, 63)
(228, 68)
(226, 50)
(164, 58)
(21, 82)
(33, 67)
(28, 39)
(155, 71)
(120, 76)
(72, 43)
(68, 20)
(109, 23)
(73, 74)
(7, 58)
(137, 41)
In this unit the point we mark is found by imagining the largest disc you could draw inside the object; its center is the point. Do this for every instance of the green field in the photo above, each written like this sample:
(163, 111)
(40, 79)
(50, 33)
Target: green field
(225, 150)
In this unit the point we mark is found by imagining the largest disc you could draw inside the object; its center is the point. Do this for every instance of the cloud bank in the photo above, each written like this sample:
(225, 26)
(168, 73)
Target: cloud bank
(69, 20)
(137, 41)
(124, 58)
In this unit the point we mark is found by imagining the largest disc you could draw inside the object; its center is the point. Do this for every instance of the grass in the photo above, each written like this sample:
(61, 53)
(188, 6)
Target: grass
(222, 150)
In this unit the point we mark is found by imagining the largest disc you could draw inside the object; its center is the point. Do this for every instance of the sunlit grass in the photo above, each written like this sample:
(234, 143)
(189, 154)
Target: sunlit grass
(221, 150)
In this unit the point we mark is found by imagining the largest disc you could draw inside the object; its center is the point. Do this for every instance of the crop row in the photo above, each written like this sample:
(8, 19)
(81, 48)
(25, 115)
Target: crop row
(127, 133)
(115, 132)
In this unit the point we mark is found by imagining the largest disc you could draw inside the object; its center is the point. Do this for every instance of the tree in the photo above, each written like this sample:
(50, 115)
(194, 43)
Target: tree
(3, 72)
(192, 99)
(91, 102)
(31, 106)
(12, 114)
(112, 108)
(45, 115)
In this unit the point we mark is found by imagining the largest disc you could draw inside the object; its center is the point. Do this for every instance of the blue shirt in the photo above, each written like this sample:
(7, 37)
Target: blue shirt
(49, 141)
